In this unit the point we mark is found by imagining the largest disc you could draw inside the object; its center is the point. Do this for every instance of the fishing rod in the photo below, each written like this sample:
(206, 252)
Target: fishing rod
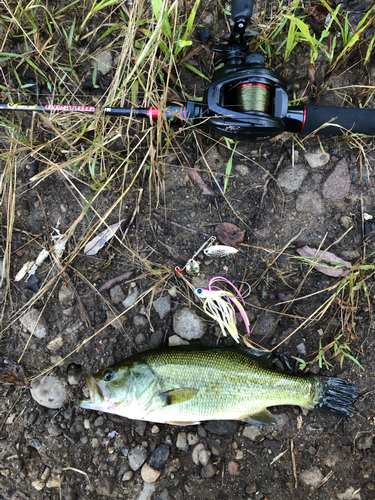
(245, 100)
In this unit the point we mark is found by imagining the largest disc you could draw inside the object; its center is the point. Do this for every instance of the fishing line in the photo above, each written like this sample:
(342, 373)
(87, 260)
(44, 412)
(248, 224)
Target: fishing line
(251, 96)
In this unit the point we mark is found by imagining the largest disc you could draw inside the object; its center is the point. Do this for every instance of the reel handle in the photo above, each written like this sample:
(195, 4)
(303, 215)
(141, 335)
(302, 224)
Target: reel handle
(310, 117)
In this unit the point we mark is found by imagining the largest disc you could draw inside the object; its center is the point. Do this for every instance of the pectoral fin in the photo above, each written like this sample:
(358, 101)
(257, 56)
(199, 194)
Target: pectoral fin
(175, 396)
(263, 417)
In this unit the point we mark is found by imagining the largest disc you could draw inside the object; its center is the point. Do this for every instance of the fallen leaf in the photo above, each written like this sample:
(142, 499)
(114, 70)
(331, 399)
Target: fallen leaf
(311, 74)
(229, 234)
(96, 244)
(326, 259)
(12, 373)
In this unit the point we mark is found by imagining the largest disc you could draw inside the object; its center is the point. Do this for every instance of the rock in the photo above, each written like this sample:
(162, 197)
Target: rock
(337, 185)
(131, 299)
(317, 159)
(140, 339)
(291, 178)
(105, 61)
(31, 321)
(301, 348)
(149, 474)
(147, 491)
(195, 454)
(253, 432)
(55, 344)
(54, 482)
(49, 391)
(164, 495)
(349, 494)
(311, 477)
(233, 468)
(176, 340)
(114, 320)
(159, 456)
(66, 297)
(140, 427)
(99, 421)
(137, 457)
(207, 471)
(117, 295)
(204, 456)
(265, 325)
(310, 201)
(181, 442)
(173, 292)
(192, 438)
(162, 305)
(243, 170)
(188, 325)
(251, 488)
(364, 442)
(128, 475)
(140, 321)
(155, 429)
(74, 374)
(38, 485)
(105, 487)
(222, 428)
(156, 340)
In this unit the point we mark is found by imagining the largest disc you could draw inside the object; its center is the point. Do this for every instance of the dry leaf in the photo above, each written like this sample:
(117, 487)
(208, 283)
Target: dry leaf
(229, 234)
(195, 176)
(96, 244)
(326, 259)
(12, 373)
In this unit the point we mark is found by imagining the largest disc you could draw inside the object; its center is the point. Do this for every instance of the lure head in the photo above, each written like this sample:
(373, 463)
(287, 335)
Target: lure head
(202, 293)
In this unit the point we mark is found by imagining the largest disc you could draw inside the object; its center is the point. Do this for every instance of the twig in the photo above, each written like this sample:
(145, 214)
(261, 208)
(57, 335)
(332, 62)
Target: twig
(294, 464)
(114, 281)
(324, 480)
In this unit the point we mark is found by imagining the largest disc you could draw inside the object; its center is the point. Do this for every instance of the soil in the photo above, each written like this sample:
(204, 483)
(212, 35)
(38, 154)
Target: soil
(71, 453)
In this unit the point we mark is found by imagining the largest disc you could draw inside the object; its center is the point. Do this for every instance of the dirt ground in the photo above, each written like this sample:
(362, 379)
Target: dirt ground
(281, 203)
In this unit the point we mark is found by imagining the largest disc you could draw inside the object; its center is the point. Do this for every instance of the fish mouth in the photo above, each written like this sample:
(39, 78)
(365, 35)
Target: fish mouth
(98, 394)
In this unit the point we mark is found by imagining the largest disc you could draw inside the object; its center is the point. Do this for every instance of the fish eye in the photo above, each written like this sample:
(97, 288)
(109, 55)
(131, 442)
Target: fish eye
(108, 375)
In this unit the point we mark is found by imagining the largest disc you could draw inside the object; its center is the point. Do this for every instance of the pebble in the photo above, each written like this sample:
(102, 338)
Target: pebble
(139, 321)
(265, 325)
(251, 488)
(149, 474)
(311, 202)
(74, 374)
(176, 340)
(222, 428)
(364, 442)
(192, 438)
(53, 482)
(159, 456)
(243, 170)
(117, 295)
(31, 320)
(95, 443)
(131, 299)
(181, 442)
(239, 454)
(337, 185)
(291, 178)
(111, 320)
(204, 456)
(105, 487)
(216, 448)
(301, 348)
(188, 325)
(173, 292)
(147, 491)
(66, 297)
(164, 495)
(233, 468)
(140, 427)
(162, 306)
(156, 340)
(3, 273)
(99, 421)
(253, 432)
(172, 466)
(155, 429)
(55, 344)
(105, 61)
(49, 391)
(208, 471)
(195, 454)
(137, 457)
(317, 159)
(140, 339)
(38, 485)
(128, 475)
(311, 477)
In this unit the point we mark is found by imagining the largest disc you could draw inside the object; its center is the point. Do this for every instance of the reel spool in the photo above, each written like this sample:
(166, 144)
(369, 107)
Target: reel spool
(252, 96)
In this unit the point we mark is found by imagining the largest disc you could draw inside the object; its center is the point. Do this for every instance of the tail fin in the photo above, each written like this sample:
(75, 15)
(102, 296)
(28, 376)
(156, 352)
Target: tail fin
(335, 395)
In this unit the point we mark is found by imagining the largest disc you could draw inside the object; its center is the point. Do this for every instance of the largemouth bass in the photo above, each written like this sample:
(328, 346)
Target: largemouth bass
(185, 385)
